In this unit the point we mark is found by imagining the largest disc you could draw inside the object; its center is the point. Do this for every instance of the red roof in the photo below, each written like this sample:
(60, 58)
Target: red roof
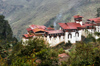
(85, 25)
(41, 27)
(97, 20)
(63, 25)
(28, 35)
(37, 26)
(71, 25)
(29, 29)
(36, 30)
(32, 26)
(54, 31)
(77, 16)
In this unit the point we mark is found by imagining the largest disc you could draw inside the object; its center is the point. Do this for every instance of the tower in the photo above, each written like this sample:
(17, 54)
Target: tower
(78, 19)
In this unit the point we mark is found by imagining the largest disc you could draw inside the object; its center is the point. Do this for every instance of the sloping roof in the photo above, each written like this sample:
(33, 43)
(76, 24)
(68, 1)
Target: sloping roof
(71, 25)
(77, 16)
(85, 25)
(37, 26)
(54, 31)
(28, 35)
(28, 29)
(32, 26)
(41, 27)
(63, 25)
(97, 20)
(37, 30)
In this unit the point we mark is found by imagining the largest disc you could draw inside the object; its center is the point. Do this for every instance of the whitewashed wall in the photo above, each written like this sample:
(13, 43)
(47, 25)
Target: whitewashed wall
(91, 30)
(78, 38)
(79, 22)
(66, 37)
(54, 41)
(73, 39)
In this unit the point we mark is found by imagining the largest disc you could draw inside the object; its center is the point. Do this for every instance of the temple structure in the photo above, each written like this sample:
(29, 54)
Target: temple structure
(70, 31)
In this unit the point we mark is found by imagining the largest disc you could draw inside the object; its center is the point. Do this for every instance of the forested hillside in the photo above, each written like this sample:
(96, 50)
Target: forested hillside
(21, 13)
(7, 40)
(6, 34)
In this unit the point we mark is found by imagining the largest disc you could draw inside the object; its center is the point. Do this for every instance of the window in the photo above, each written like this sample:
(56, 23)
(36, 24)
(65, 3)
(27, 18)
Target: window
(87, 27)
(77, 34)
(69, 35)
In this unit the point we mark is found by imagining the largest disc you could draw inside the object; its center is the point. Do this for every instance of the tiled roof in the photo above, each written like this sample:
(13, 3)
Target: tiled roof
(36, 30)
(54, 31)
(85, 25)
(28, 29)
(71, 25)
(41, 27)
(63, 25)
(37, 26)
(28, 35)
(32, 26)
(97, 20)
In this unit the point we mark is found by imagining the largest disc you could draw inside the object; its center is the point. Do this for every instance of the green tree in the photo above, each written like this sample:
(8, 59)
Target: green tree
(36, 49)
(84, 55)
(6, 34)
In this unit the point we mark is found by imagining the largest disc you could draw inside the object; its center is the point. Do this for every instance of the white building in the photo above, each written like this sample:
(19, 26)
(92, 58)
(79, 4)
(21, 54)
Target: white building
(71, 31)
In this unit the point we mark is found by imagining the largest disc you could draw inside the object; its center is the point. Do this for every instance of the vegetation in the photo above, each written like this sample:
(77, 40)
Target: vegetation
(39, 53)
(6, 37)
(84, 55)
(6, 34)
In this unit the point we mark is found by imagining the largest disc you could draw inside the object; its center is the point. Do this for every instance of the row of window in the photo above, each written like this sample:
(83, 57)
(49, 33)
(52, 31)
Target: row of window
(70, 35)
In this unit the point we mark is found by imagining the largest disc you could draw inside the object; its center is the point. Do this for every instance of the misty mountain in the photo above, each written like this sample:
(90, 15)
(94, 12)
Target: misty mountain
(21, 13)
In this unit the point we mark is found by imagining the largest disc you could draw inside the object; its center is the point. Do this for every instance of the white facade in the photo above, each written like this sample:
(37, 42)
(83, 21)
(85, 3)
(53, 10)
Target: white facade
(78, 37)
(73, 38)
(66, 37)
(91, 31)
(72, 35)
(80, 22)
(53, 41)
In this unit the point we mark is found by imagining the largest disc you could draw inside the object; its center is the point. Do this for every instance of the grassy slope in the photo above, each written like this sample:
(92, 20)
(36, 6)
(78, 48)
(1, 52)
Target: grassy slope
(39, 14)
(87, 10)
